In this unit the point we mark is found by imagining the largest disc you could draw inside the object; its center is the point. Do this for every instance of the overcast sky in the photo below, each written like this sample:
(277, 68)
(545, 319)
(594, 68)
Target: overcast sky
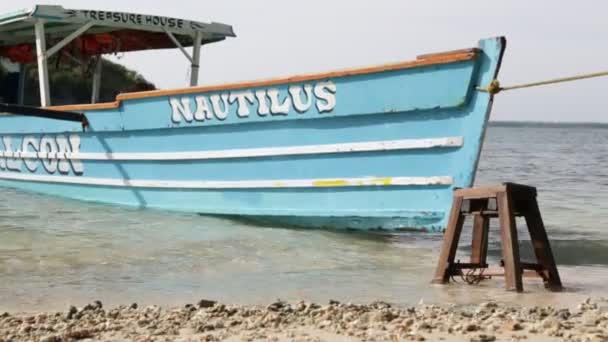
(546, 39)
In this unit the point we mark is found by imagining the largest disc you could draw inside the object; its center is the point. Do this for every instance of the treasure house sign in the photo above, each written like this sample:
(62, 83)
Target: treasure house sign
(132, 20)
(137, 19)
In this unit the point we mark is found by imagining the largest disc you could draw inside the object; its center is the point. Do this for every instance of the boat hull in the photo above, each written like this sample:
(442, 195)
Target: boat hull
(371, 148)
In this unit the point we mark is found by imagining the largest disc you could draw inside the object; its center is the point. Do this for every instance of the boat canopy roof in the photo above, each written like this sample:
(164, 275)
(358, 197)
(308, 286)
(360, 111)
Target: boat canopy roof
(94, 32)
(34, 35)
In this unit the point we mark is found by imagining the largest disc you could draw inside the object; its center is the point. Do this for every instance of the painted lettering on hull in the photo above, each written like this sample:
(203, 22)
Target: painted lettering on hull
(50, 154)
(264, 103)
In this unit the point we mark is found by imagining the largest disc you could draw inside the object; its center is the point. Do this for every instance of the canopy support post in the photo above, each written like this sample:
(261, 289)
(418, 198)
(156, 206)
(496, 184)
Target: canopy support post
(179, 45)
(196, 56)
(97, 80)
(65, 41)
(21, 87)
(43, 71)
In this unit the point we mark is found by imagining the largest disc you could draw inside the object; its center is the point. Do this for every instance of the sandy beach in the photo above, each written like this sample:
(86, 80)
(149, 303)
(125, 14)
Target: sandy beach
(207, 320)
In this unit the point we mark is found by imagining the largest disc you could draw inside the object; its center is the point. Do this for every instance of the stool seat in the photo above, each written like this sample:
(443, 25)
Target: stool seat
(505, 202)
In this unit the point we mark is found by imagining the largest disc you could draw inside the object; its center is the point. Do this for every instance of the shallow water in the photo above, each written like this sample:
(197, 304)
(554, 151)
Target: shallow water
(56, 252)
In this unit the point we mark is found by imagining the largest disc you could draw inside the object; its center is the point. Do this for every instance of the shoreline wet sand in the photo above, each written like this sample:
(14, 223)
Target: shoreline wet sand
(208, 320)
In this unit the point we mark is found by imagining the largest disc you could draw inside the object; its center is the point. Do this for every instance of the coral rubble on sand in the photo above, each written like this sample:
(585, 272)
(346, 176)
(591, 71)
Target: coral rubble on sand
(281, 321)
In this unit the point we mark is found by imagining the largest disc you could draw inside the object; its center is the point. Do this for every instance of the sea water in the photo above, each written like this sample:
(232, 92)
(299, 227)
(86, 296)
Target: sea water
(56, 252)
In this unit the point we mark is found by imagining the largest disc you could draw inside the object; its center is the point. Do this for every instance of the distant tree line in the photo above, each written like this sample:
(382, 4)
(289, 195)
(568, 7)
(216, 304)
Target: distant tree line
(71, 82)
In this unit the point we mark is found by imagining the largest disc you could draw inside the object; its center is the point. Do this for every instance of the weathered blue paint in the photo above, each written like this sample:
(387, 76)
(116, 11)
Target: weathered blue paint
(416, 103)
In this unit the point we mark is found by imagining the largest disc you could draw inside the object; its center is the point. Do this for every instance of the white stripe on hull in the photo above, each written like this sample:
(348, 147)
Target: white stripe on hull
(372, 146)
(245, 184)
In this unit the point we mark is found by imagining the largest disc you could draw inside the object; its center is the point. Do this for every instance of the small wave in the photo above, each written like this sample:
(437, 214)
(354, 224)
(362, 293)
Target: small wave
(566, 252)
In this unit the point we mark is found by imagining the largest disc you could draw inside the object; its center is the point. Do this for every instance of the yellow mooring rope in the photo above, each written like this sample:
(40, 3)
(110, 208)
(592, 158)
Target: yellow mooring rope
(495, 88)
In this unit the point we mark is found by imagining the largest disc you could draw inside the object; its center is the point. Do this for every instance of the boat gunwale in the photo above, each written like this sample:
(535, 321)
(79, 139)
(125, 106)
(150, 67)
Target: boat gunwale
(426, 60)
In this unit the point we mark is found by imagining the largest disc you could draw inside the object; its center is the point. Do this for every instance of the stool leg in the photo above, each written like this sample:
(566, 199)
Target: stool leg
(479, 243)
(510, 246)
(450, 242)
(542, 247)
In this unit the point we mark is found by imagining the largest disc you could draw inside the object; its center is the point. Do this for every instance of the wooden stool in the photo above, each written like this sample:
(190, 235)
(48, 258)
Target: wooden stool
(505, 202)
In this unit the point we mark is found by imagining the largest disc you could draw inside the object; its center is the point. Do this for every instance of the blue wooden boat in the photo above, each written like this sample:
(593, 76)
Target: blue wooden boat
(375, 147)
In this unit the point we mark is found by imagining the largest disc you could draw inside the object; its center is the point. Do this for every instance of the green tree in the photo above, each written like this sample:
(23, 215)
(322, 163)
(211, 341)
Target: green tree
(71, 81)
